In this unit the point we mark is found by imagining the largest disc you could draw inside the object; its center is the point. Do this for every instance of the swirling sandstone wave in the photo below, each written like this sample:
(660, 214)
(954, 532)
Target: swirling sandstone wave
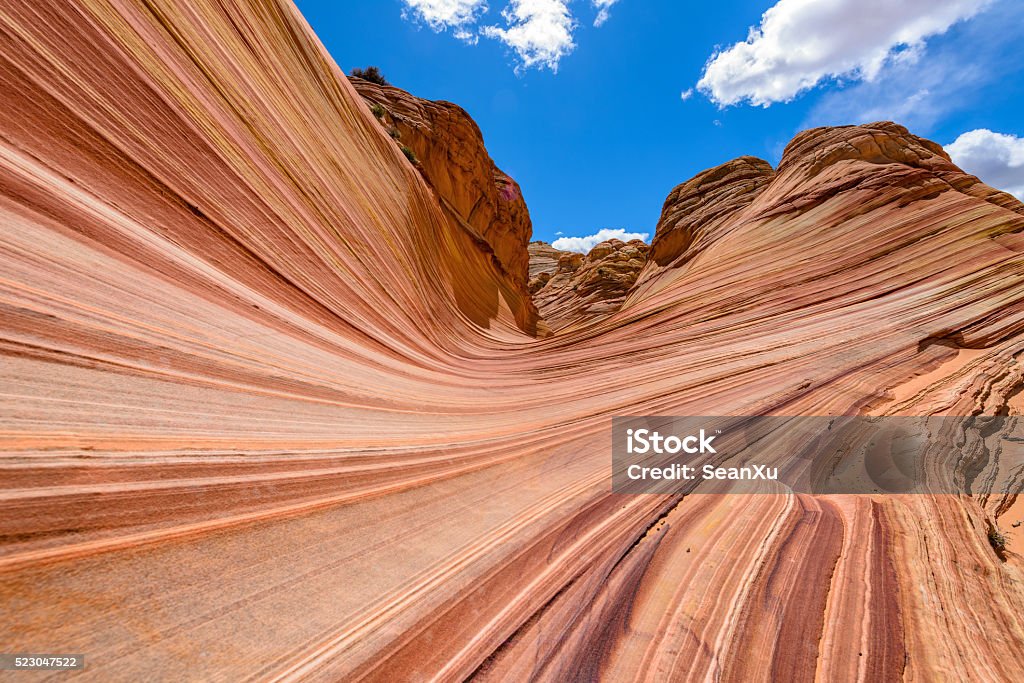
(448, 147)
(268, 415)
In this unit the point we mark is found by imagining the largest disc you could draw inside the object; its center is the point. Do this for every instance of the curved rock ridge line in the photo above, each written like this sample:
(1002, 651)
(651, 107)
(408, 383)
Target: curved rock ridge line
(447, 145)
(267, 409)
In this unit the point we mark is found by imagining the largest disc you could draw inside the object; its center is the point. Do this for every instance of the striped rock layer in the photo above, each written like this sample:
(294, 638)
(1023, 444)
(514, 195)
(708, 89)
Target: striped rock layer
(478, 197)
(267, 414)
(544, 258)
(582, 288)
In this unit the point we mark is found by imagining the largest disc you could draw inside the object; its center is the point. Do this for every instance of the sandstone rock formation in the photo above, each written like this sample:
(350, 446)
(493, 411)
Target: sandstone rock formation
(882, 163)
(543, 258)
(267, 411)
(582, 288)
(449, 148)
(694, 210)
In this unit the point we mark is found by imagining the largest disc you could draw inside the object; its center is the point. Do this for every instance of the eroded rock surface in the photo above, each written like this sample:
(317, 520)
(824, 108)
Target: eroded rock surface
(880, 165)
(449, 148)
(582, 288)
(694, 209)
(543, 259)
(266, 411)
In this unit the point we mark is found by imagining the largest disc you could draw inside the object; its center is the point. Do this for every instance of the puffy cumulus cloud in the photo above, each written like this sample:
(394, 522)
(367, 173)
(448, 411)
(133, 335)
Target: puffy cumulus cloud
(442, 14)
(603, 13)
(958, 72)
(803, 42)
(915, 95)
(996, 158)
(539, 31)
(584, 244)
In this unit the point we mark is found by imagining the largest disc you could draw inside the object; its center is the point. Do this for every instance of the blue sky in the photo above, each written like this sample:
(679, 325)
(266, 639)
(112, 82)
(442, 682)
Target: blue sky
(592, 121)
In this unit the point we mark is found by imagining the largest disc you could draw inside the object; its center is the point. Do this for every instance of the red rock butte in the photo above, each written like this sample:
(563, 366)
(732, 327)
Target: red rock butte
(277, 404)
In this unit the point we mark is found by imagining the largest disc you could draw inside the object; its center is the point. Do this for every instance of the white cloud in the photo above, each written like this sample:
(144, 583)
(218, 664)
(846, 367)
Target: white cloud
(915, 97)
(803, 42)
(603, 7)
(996, 158)
(442, 14)
(953, 74)
(559, 233)
(584, 244)
(465, 35)
(686, 94)
(540, 31)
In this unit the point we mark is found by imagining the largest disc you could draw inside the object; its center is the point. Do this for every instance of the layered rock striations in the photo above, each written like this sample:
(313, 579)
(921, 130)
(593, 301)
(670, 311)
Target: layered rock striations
(446, 144)
(822, 173)
(583, 288)
(695, 209)
(266, 409)
(543, 259)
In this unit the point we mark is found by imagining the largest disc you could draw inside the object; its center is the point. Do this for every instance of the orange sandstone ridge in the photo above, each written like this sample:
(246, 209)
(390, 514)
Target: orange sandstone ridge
(448, 147)
(578, 289)
(270, 410)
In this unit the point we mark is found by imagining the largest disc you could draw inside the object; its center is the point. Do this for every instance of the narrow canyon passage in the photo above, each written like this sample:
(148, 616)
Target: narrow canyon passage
(267, 412)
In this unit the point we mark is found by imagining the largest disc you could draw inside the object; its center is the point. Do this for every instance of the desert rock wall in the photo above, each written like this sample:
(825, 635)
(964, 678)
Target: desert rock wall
(265, 410)
(448, 147)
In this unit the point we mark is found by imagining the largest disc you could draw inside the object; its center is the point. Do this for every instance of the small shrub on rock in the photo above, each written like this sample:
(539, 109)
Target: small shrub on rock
(372, 74)
(410, 155)
(997, 540)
